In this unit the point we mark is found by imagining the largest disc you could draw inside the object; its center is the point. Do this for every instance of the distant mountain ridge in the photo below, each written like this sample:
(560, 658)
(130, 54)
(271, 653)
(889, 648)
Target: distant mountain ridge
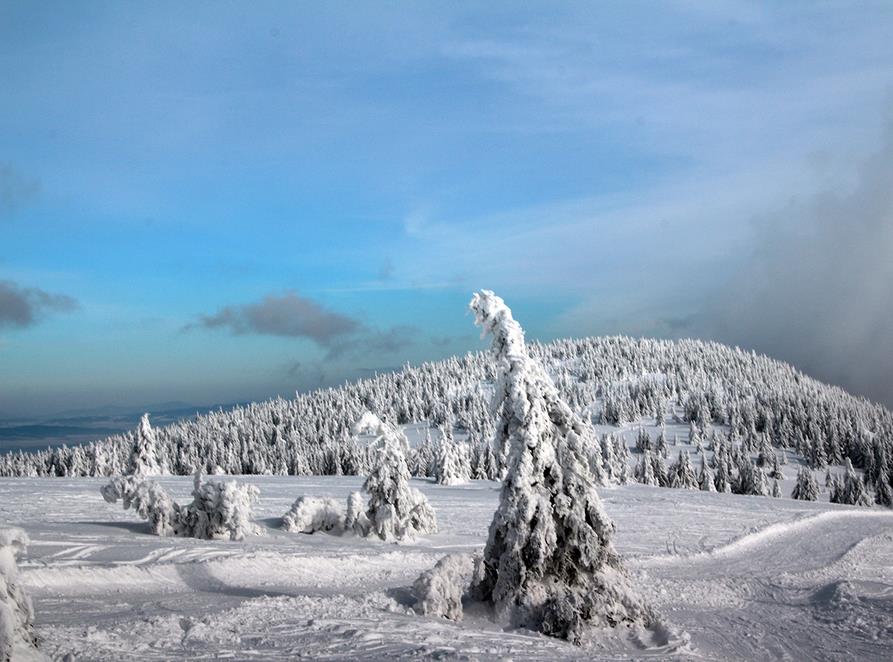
(76, 426)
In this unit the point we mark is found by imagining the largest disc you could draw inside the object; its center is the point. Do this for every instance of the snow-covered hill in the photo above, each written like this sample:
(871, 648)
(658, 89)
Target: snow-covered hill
(735, 577)
(752, 402)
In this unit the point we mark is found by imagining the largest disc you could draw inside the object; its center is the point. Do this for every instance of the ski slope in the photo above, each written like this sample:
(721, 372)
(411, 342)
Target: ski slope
(735, 577)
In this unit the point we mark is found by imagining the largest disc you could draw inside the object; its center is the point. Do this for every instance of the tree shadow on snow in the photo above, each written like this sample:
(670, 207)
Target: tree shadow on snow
(402, 595)
(133, 527)
(199, 578)
(270, 522)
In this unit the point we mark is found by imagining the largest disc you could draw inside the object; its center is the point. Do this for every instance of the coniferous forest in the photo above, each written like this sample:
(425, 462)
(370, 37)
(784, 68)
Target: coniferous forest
(747, 409)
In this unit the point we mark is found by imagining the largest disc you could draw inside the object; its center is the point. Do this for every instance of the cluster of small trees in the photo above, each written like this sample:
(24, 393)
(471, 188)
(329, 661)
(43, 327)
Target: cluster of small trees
(394, 511)
(738, 467)
(219, 509)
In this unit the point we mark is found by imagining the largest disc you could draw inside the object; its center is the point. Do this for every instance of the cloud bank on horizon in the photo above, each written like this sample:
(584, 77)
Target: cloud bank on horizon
(313, 191)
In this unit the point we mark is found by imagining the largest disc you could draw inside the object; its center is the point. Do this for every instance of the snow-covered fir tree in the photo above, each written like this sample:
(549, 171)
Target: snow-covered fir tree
(835, 488)
(853, 492)
(396, 511)
(549, 562)
(645, 470)
(806, 487)
(705, 476)
(659, 469)
(622, 459)
(682, 475)
(452, 465)
(144, 458)
(883, 493)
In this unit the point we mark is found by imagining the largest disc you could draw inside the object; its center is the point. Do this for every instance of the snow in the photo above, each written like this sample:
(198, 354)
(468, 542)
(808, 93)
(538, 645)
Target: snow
(735, 577)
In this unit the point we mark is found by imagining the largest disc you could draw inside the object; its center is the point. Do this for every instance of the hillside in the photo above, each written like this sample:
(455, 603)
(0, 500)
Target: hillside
(746, 402)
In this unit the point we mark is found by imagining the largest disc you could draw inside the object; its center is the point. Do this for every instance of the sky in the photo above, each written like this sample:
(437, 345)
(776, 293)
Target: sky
(211, 202)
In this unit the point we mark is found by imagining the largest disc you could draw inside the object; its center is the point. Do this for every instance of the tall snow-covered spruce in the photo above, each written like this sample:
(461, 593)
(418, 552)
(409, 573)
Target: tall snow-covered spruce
(549, 563)
(144, 457)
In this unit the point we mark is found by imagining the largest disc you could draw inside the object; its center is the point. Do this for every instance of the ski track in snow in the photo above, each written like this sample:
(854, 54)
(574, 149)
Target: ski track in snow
(734, 577)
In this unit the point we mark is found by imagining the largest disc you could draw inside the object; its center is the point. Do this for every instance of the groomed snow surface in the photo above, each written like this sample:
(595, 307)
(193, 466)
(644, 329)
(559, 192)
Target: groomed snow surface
(734, 577)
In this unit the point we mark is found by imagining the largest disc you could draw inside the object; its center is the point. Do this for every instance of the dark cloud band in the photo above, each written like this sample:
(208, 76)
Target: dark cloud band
(23, 306)
(294, 316)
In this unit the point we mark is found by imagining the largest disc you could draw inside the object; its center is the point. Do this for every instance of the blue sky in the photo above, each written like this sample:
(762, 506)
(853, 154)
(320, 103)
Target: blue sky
(210, 202)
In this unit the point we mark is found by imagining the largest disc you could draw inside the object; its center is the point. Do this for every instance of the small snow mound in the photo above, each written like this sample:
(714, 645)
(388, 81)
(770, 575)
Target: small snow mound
(439, 591)
(310, 514)
(853, 606)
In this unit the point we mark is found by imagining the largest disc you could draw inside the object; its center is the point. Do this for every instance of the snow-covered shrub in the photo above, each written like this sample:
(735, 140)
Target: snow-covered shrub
(310, 514)
(16, 612)
(395, 510)
(147, 498)
(439, 591)
(549, 562)
(218, 509)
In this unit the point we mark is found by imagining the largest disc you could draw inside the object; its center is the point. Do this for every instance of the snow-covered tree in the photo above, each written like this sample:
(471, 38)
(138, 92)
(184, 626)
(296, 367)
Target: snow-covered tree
(150, 501)
(451, 465)
(549, 562)
(621, 456)
(752, 479)
(883, 493)
(723, 479)
(218, 509)
(806, 488)
(661, 444)
(854, 492)
(395, 510)
(705, 477)
(144, 456)
(645, 470)
(682, 475)
(17, 638)
(659, 469)
(835, 488)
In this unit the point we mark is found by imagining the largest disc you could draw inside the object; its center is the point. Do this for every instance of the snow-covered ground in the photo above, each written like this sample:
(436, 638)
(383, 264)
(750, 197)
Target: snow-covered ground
(735, 577)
